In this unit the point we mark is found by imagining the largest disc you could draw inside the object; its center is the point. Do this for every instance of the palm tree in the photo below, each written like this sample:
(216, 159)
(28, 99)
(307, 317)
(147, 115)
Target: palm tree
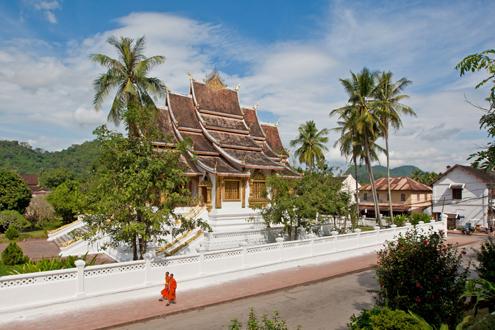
(388, 96)
(311, 144)
(133, 101)
(358, 117)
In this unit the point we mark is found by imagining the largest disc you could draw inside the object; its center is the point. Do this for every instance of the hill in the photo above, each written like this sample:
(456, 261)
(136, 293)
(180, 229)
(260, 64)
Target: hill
(381, 171)
(22, 158)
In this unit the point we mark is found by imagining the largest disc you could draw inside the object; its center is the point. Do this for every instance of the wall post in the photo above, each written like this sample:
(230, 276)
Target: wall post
(80, 277)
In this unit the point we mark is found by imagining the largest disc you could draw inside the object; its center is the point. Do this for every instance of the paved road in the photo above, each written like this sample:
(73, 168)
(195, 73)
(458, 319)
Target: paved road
(324, 305)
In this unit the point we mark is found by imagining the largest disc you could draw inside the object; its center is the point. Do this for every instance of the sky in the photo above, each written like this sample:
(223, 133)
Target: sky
(286, 56)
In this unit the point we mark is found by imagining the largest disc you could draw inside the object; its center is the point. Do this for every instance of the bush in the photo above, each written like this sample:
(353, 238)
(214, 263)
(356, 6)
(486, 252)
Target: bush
(13, 255)
(486, 258)
(266, 323)
(14, 192)
(400, 220)
(485, 323)
(44, 265)
(421, 273)
(417, 217)
(386, 319)
(39, 212)
(12, 218)
(12, 233)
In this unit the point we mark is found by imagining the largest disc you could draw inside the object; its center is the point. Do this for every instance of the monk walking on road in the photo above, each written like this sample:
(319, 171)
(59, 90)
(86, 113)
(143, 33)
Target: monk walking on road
(165, 290)
(172, 286)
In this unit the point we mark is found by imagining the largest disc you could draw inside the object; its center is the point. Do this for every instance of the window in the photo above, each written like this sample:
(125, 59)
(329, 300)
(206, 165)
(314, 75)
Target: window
(456, 193)
(365, 196)
(402, 197)
(257, 190)
(232, 191)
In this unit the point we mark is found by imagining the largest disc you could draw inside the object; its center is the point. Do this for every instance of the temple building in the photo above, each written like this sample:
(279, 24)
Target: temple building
(232, 153)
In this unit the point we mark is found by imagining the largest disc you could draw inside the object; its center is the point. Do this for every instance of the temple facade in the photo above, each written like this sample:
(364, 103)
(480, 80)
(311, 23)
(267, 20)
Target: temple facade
(232, 153)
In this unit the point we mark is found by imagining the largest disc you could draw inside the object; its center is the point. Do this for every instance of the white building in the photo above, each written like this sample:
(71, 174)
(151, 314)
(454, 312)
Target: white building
(465, 194)
(349, 186)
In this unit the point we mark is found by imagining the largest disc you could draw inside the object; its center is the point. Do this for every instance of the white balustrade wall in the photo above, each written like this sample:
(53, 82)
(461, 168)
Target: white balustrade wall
(20, 292)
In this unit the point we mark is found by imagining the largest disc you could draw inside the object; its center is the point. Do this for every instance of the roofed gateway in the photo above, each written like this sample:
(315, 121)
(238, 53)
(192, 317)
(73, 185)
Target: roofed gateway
(232, 153)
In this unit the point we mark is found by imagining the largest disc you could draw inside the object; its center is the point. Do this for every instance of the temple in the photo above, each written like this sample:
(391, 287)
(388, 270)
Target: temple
(232, 152)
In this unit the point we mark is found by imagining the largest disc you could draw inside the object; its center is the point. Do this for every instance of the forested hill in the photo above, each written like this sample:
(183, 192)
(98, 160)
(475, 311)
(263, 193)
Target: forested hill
(22, 158)
(380, 171)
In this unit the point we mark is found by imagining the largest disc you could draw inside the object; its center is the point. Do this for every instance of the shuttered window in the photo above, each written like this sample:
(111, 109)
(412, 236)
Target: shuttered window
(257, 189)
(232, 190)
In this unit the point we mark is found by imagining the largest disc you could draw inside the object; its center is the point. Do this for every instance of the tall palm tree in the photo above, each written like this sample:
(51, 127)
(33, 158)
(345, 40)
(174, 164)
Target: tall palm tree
(359, 117)
(133, 101)
(388, 96)
(311, 144)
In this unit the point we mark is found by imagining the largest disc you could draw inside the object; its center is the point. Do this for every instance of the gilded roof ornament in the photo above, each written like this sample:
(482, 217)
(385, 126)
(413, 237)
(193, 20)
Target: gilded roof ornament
(214, 81)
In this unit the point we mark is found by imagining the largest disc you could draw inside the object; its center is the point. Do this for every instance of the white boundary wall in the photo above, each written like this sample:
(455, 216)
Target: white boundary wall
(25, 291)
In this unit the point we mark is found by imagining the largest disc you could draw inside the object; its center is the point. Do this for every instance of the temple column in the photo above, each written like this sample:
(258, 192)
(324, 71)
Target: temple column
(218, 192)
(213, 180)
(243, 192)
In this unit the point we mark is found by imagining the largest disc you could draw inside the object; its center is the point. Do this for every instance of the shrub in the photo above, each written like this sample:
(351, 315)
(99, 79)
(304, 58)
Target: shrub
(486, 258)
(12, 218)
(417, 217)
(13, 255)
(266, 323)
(39, 212)
(400, 220)
(14, 192)
(12, 233)
(485, 323)
(67, 200)
(421, 273)
(44, 265)
(385, 318)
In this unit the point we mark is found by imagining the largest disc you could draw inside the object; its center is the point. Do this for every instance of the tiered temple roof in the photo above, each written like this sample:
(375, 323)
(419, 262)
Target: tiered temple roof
(227, 140)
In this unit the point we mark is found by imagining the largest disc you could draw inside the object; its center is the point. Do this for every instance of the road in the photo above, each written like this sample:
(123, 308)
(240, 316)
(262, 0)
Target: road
(324, 305)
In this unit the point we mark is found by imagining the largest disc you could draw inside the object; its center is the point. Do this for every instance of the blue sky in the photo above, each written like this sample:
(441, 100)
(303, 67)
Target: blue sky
(287, 57)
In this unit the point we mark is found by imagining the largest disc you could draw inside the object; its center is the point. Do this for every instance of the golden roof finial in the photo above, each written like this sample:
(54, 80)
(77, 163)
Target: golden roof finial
(214, 81)
(237, 87)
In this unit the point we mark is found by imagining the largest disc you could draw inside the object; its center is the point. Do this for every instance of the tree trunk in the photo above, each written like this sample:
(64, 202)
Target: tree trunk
(372, 180)
(391, 211)
(357, 189)
(134, 248)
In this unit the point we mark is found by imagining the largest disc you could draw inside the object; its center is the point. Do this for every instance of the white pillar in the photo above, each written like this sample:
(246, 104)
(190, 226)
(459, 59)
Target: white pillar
(80, 277)
(148, 257)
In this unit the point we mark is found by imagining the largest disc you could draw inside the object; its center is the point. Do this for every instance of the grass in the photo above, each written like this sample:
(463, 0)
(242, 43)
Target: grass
(366, 228)
(5, 270)
(40, 233)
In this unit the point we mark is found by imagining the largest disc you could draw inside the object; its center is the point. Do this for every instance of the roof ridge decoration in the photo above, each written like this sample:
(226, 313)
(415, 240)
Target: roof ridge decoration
(214, 81)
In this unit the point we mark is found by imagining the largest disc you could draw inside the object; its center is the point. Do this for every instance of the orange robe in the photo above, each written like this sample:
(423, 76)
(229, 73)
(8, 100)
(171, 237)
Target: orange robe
(172, 287)
(165, 290)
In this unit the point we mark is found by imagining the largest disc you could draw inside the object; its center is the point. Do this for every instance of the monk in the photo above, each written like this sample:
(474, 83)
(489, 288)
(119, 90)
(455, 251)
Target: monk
(171, 290)
(165, 290)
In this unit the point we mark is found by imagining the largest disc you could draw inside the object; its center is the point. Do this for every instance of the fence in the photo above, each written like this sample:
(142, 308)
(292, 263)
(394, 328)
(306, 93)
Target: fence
(20, 292)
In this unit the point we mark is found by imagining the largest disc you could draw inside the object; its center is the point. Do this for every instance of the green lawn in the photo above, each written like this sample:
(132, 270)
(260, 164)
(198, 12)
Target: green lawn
(41, 233)
(366, 228)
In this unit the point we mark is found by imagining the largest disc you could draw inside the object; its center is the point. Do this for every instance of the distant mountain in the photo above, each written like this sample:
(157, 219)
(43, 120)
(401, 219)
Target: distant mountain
(22, 158)
(380, 171)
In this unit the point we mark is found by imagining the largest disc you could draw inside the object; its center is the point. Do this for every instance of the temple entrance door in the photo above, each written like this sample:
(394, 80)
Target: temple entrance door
(204, 195)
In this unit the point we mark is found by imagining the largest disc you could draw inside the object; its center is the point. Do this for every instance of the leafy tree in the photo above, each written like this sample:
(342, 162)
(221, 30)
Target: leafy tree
(67, 200)
(483, 61)
(296, 203)
(388, 97)
(421, 273)
(13, 255)
(14, 193)
(133, 101)
(427, 178)
(134, 192)
(311, 144)
(486, 259)
(360, 120)
(52, 178)
(10, 218)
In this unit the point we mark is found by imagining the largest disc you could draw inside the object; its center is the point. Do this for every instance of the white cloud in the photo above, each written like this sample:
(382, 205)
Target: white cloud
(297, 80)
(47, 7)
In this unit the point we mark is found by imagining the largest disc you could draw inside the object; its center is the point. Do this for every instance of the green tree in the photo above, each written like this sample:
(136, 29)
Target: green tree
(296, 203)
(67, 200)
(133, 101)
(421, 273)
(13, 255)
(14, 192)
(427, 178)
(483, 61)
(12, 218)
(311, 144)
(360, 118)
(387, 102)
(53, 177)
(134, 192)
